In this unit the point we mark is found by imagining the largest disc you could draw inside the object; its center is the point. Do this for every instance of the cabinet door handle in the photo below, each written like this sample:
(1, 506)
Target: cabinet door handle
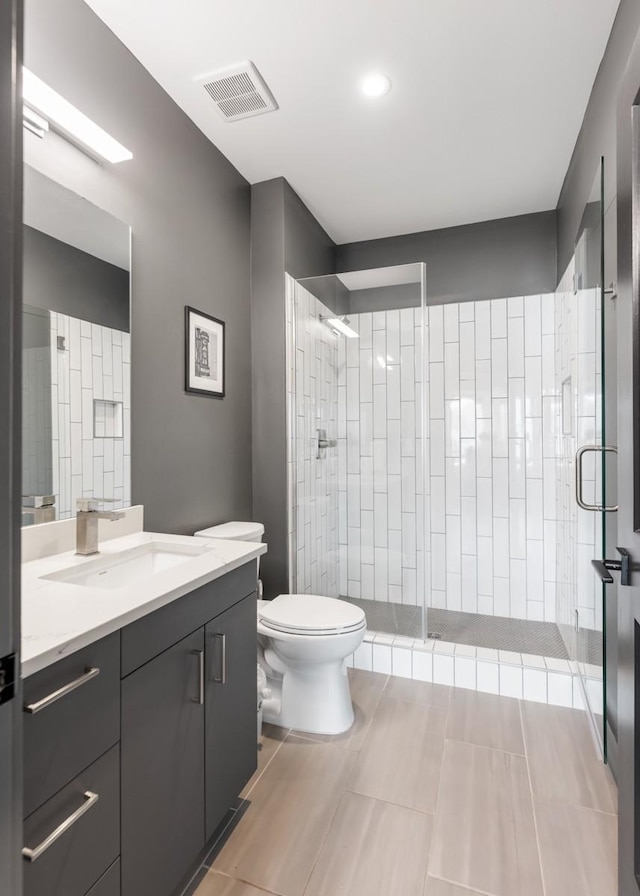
(90, 799)
(200, 698)
(89, 673)
(222, 679)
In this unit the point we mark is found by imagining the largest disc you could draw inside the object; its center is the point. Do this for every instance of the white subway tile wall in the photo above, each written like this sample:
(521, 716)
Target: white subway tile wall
(501, 532)
(93, 366)
(379, 448)
(492, 423)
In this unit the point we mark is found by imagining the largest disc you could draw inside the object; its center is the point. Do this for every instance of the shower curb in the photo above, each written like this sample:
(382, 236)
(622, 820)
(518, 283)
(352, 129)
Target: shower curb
(524, 676)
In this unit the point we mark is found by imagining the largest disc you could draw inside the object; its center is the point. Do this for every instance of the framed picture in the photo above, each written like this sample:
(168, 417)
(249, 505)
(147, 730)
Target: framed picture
(204, 354)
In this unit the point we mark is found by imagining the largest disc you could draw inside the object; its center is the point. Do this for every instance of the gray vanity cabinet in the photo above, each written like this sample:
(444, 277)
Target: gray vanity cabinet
(137, 745)
(230, 711)
(163, 769)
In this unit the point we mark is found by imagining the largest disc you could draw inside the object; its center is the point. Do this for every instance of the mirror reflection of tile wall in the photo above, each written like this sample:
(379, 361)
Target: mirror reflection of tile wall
(90, 364)
(36, 402)
(76, 352)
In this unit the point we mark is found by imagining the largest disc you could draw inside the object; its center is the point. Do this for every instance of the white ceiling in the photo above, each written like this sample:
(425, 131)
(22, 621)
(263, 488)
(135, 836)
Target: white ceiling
(486, 104)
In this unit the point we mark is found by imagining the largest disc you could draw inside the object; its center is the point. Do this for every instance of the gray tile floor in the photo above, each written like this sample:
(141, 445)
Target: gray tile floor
(435, 791)
(475, 629)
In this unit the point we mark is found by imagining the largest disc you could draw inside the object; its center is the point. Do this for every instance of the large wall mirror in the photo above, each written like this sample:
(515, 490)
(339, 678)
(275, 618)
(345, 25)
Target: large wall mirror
(77, 353)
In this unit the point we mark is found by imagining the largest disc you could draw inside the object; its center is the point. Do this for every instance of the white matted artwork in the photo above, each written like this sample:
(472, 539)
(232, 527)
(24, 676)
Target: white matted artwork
(204, 354)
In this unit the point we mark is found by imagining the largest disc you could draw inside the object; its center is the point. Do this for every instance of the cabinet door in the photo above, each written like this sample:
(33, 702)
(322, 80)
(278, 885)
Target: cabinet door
(162, 744)
(231, 705)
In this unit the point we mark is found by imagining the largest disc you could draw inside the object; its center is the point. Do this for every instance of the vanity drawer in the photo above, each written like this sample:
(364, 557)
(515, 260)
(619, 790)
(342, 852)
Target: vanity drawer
(150, 636)
(109, 883)
(77, 724)
(88, 811)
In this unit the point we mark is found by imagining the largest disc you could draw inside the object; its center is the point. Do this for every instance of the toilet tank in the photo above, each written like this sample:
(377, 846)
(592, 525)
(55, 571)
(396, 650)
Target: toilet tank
(237, 530)
(234, 531)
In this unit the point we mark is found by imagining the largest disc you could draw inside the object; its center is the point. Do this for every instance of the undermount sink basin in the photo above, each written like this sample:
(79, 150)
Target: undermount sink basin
(124, 568)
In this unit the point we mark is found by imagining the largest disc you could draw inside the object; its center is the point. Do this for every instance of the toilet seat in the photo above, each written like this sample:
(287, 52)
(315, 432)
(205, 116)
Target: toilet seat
(311, 614)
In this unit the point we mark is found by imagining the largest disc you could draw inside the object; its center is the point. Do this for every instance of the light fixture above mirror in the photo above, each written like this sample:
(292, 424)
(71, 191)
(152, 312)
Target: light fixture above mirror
(44, 107)
(340, 325)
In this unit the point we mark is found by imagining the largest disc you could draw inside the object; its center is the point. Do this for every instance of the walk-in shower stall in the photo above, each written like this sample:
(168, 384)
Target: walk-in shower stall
(432, 459)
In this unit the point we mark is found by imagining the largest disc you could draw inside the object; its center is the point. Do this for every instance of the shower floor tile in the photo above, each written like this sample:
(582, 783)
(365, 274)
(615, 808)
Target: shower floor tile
(475, 629)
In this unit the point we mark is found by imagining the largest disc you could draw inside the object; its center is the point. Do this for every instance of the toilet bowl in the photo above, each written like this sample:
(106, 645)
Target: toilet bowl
(303, 643)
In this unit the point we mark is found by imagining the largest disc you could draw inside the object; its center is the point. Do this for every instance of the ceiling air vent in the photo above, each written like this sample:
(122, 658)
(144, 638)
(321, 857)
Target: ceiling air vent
(238, 91)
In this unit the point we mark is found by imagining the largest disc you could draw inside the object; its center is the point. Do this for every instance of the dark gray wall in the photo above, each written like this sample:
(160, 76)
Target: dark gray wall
(494, 259)
(285, 237)
(189, 210)
(268, 379)
(59, 277)
(382, 298)
(10, 427)
(597, 136)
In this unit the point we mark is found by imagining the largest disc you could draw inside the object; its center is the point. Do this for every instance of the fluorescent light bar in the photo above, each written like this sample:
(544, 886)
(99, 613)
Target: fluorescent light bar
(72, 123)
(34, 122)
(341, 324)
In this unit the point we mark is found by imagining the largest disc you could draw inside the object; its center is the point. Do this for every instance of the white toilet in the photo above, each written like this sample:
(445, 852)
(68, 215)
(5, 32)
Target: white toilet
(303, 642)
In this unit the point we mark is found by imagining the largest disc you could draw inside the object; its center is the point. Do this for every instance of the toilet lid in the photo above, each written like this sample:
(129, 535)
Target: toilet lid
(311, 614)
(234, 530)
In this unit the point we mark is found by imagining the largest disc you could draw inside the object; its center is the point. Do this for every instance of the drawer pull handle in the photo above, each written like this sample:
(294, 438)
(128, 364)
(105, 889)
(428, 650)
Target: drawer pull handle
(89, 673)
(222, 678)
(90, 799)
(200, 698)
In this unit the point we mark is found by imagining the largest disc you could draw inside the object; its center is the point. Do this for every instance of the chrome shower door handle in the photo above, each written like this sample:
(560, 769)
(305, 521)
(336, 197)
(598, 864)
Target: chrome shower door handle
(580, 453)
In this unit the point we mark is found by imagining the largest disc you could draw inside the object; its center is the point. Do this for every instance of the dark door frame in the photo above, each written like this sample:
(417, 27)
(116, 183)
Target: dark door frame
(11, 18)
(628, 313)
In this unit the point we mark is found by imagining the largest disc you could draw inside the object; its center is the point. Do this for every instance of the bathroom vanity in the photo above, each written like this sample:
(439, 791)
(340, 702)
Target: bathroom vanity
(139, 722)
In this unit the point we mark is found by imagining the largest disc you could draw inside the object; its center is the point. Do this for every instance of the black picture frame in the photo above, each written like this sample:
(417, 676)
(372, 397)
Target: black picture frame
(204, 353)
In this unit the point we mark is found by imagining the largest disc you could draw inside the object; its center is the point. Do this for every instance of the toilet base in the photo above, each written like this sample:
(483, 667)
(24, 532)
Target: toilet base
(312, 698)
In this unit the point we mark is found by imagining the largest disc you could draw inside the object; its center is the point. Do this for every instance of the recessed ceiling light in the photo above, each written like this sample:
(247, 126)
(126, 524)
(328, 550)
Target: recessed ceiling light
(375, 84)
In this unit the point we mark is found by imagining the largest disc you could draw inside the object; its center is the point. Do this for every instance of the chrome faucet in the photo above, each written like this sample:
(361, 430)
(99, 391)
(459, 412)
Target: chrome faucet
(87, 516)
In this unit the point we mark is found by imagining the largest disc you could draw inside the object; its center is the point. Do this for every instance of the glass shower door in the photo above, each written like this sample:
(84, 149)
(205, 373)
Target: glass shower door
(591, 457)
(356, 391)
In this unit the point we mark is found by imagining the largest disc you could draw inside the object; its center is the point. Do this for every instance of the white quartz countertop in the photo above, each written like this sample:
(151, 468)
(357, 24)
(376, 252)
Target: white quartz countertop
(59, 618)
